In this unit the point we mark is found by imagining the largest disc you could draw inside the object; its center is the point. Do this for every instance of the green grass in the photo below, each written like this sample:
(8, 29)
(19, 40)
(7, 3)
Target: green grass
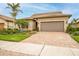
(15, 37)
(76, 38)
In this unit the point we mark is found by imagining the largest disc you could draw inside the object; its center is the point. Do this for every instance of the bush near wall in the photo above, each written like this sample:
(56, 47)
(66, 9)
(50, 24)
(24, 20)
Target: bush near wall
(76, 33)
(77, 29)
(9, 31)
(70, 29)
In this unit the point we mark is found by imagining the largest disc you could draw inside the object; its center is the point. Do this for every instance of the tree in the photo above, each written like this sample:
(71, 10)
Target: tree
(22, 23)
(74, 21)
(15, 9)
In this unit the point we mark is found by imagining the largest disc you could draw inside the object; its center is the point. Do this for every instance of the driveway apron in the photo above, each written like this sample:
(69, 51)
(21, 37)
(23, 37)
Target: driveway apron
(53, 38)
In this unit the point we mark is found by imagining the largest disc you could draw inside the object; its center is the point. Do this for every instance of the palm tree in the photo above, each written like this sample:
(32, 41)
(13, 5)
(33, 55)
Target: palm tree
(15, 9)
(74, 21)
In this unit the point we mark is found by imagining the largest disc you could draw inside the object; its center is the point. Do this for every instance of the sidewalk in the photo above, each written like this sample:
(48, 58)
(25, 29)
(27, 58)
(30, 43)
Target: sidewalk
(38, 49)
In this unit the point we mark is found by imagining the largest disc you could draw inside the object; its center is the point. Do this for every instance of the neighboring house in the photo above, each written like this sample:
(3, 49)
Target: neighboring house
(6, 22)
(75, 24)
(52, 21)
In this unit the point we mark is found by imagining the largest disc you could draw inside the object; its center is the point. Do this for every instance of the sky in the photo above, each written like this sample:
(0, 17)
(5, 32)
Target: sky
(32, 8)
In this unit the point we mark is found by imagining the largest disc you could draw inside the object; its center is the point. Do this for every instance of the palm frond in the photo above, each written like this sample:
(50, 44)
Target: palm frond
(9, 5)
(15, 9)
(20, 11)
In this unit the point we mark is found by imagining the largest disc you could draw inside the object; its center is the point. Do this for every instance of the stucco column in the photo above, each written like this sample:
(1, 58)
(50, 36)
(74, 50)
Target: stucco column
(65, 26)
(39, 25)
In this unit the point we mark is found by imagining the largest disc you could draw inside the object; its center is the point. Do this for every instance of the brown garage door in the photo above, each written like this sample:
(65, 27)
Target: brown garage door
(55, 26)
(1, 26)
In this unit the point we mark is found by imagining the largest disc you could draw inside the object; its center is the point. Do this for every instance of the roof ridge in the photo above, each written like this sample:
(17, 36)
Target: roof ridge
(5, 17)
(54, 12)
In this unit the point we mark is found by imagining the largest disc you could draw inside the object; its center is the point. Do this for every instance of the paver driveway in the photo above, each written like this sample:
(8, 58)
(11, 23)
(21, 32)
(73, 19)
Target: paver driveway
(53, 38)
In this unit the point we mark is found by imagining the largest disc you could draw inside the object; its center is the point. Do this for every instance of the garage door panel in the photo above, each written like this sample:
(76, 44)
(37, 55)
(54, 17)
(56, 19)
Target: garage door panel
(57, 26)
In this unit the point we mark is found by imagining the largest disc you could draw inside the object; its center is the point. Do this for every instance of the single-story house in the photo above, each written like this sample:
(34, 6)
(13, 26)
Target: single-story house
(77, 24)
(6, 22)
(51, 21)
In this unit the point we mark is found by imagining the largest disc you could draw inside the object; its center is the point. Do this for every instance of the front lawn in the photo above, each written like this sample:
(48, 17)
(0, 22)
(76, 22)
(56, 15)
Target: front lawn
(76, 38)
(15, 37)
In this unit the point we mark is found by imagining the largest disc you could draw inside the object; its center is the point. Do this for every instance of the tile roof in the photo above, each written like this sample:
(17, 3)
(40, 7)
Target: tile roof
(7, 18)
(49, 14)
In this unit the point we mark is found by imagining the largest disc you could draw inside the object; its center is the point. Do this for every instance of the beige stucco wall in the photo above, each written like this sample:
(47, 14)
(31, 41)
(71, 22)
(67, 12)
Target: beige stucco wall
(77, 25)
(31, 25)
(6, 24)
(53, 19)
(11, 25)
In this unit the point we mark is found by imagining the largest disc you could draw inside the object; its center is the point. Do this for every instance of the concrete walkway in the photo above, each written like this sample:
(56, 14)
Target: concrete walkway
(35, 49)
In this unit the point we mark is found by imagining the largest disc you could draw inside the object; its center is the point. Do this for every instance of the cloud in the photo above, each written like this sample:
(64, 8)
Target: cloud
(1, 12)
(70, 10)
(67, 11)
(34, 6)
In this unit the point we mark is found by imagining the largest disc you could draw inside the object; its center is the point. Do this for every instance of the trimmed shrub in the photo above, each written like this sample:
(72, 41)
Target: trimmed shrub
(70, 29)
(77, 29)
(3, 31)
(9, 31)
(16, 30)
(75, 33)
